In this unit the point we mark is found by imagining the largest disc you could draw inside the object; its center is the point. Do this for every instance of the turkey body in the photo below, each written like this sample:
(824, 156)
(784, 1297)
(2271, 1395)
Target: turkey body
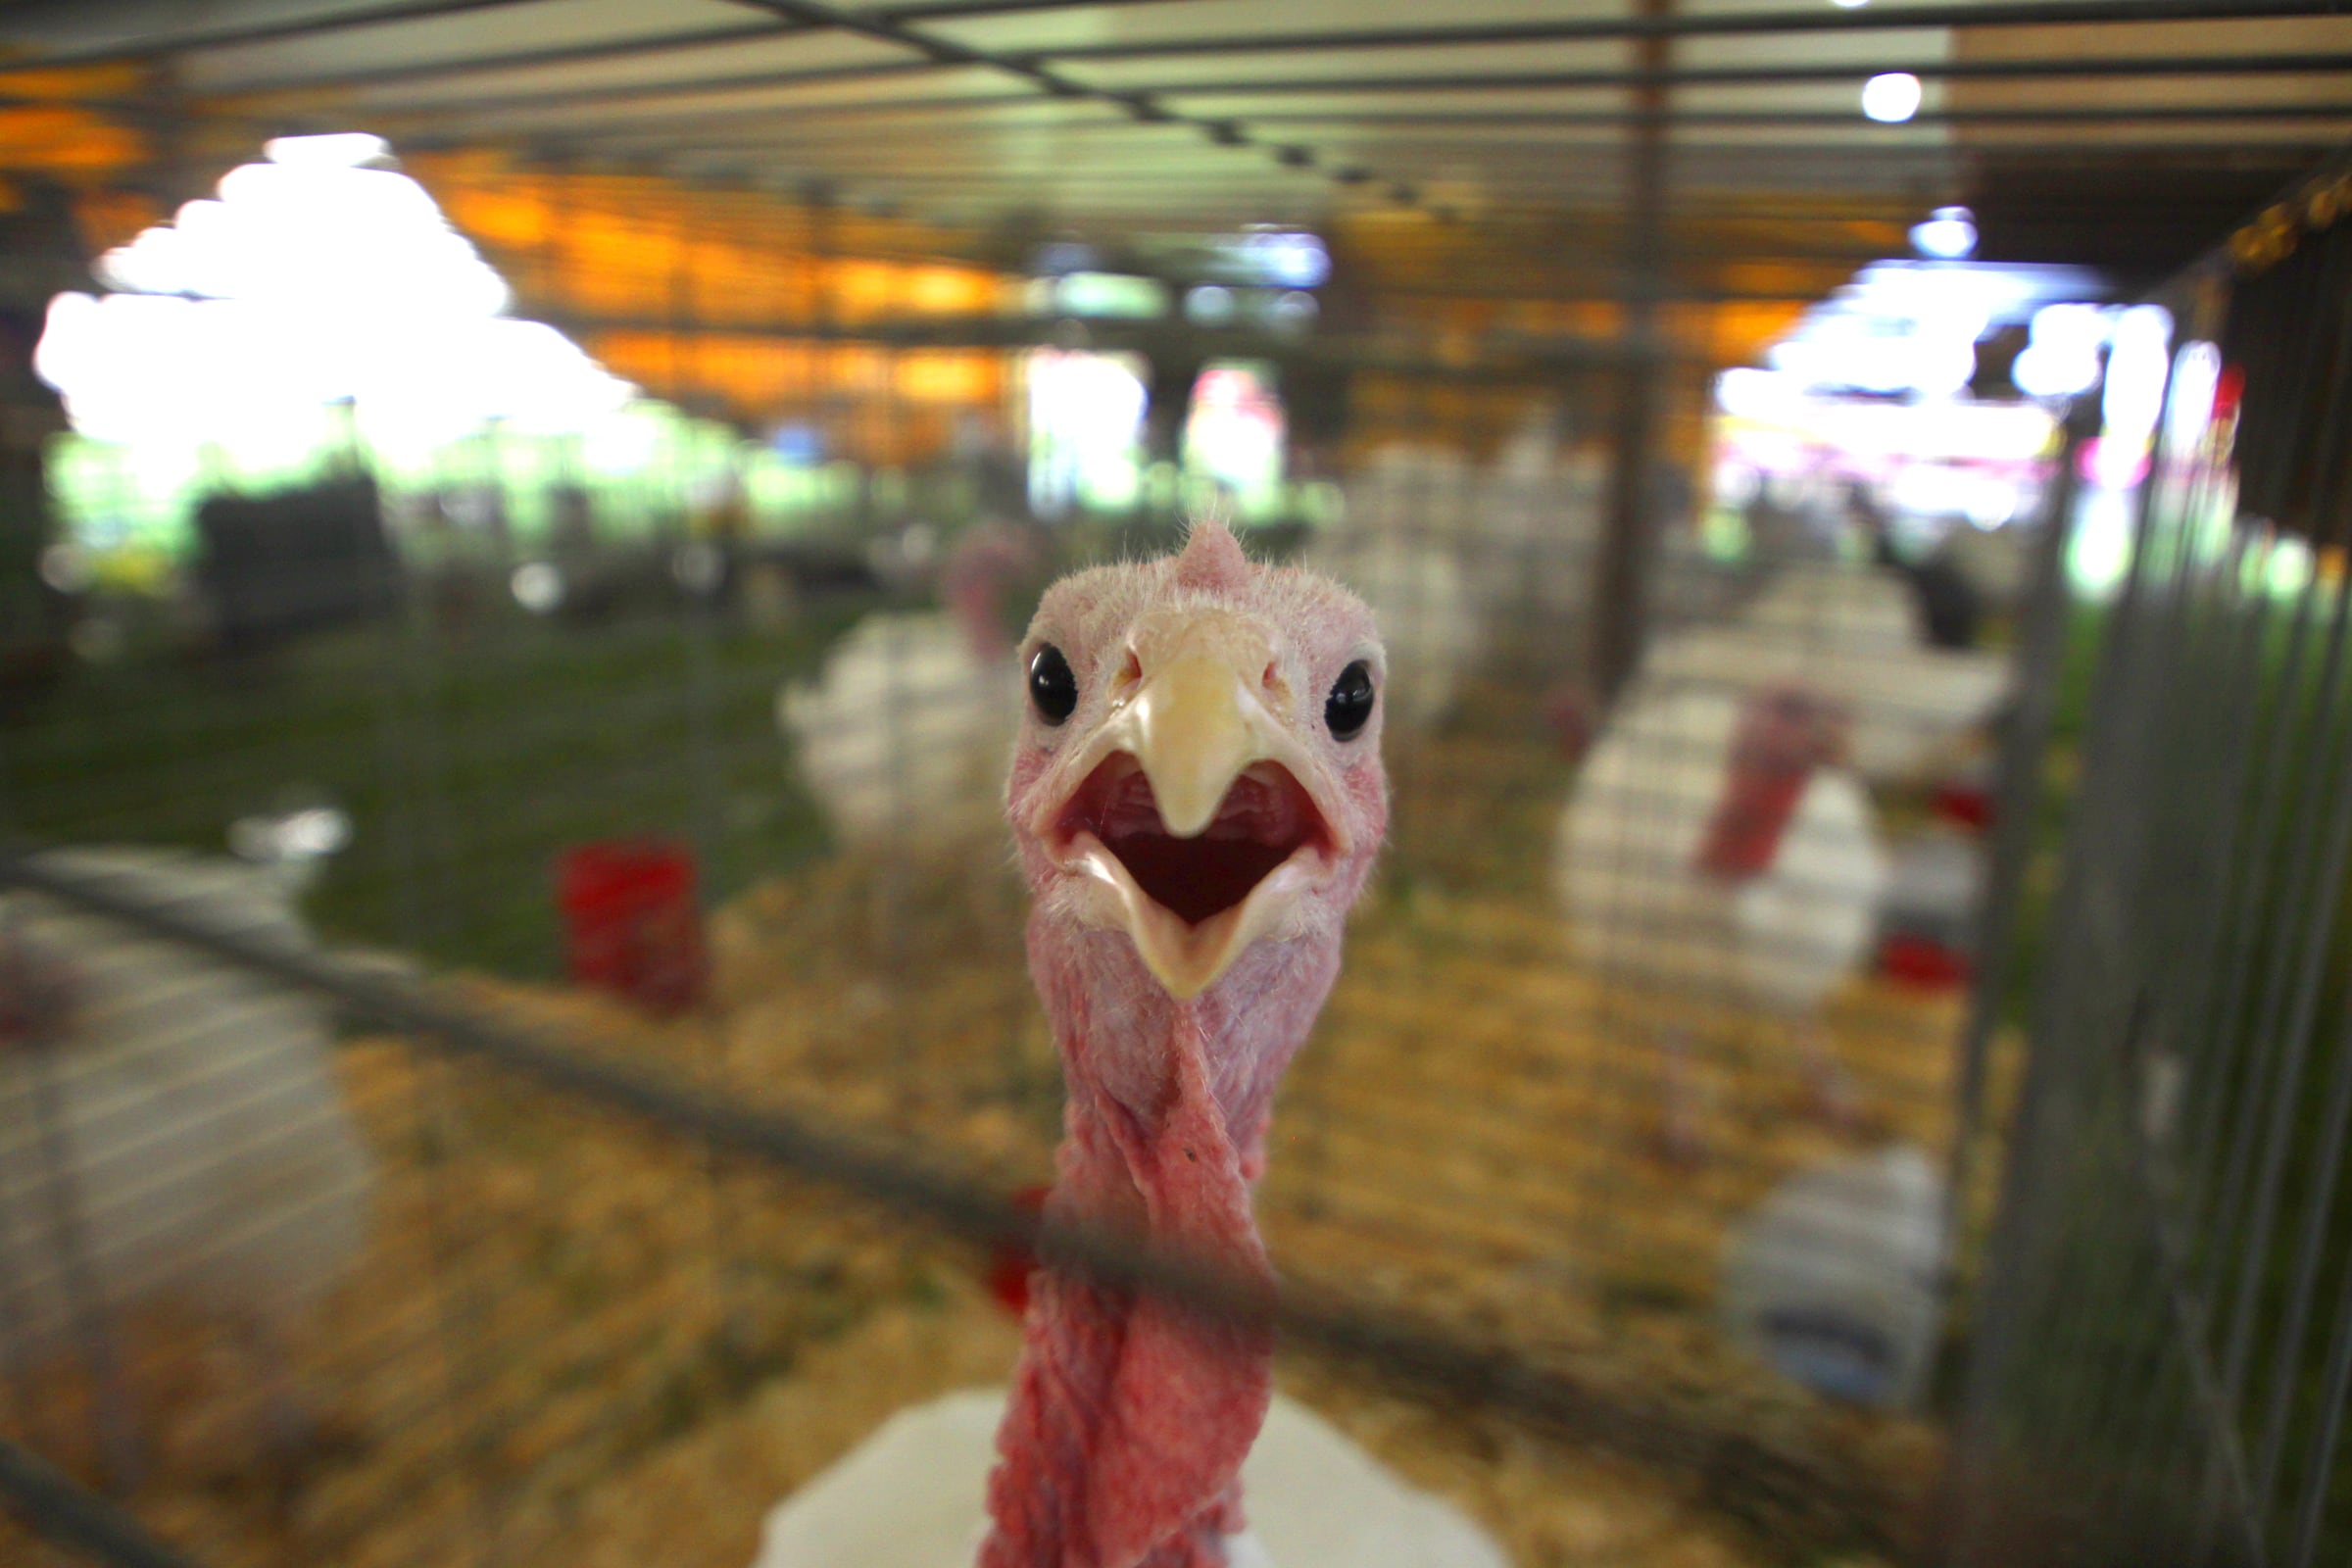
(1627, 869)
(1646, 911)
(909, 1497)
(174, 1128)
(1852, 634)
(1422, 596)
(903, 735)
(1406, 549)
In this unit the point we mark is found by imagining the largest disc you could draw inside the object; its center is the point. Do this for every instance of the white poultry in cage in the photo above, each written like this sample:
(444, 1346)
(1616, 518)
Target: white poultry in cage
(171, 1126)
(1715, 852)
(902, 737)
(1402, 548)
(1852, 634)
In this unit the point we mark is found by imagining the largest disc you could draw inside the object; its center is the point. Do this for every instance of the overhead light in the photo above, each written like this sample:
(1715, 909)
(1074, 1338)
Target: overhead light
(1849, 5)
(344, 149)
(1208, 306)
(1950, 234)
(1891, 97)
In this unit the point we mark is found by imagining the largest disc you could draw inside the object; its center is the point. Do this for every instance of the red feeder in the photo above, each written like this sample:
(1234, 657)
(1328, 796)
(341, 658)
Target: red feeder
(631, 924)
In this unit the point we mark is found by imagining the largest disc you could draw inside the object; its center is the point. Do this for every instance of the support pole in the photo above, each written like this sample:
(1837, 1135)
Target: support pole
(1620, 585)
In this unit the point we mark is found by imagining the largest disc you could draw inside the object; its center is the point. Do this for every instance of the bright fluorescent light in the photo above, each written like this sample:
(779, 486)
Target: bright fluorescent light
(343, 149)
(1891, 98)
(1950, 234)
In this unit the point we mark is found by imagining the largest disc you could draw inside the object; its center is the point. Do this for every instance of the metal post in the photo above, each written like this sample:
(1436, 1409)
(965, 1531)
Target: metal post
(1621, 585)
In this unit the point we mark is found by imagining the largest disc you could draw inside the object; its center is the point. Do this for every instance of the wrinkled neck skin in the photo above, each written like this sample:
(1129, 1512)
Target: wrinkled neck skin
(1129, 1419)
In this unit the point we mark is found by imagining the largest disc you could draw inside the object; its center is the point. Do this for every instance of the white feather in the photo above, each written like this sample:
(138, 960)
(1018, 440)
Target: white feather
(903, 736)
(186, 1138)
(1852, 634)
(911, 1497)
(1626, 869)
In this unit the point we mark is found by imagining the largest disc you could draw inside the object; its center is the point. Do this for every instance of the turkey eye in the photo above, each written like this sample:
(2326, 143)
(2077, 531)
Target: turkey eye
(1349, 708)
(1052, 686)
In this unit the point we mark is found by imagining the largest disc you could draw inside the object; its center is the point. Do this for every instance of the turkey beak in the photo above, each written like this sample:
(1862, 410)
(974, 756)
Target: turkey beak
(1189, 715)
(1195, 727)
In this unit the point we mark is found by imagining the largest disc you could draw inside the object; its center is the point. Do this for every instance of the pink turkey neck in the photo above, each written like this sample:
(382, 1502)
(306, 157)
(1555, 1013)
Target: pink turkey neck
(1129, 1419)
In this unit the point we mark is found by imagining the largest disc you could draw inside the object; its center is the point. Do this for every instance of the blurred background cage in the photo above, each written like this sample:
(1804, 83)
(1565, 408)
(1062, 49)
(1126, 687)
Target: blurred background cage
(516, 522)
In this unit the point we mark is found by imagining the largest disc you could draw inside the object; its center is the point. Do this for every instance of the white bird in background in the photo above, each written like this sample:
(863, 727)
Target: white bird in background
(1715, 851)
(902, 737)
(171, 1127)
(1853, 635)
(1402, 547)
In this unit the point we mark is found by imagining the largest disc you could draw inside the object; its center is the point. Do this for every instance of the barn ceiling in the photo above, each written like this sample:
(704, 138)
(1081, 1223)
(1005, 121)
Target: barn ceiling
(2070, 123)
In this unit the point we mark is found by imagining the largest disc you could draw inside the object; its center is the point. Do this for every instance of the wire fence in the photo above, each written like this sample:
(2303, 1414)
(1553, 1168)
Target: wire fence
(2160, 1373)
(604, 1081)
(576, 1229)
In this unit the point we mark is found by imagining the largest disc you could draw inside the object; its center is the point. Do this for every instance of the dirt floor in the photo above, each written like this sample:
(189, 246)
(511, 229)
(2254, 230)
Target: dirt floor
(575, 1342)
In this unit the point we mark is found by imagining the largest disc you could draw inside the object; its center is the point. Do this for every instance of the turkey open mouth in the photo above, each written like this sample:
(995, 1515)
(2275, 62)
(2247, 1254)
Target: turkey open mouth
(1265, 821)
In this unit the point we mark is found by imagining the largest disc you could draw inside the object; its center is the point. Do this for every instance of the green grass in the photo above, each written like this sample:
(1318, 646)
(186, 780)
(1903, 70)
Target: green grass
(467, 762)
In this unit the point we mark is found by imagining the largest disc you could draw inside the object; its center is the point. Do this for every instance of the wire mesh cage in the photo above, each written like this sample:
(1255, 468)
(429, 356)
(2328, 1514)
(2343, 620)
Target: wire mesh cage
(2160, 1324)
(1558, 1078)
(517, 1042)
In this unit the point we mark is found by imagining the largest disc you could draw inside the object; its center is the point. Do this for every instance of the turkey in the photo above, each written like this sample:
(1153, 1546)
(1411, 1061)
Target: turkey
(171, 1127)
(1715, 849)
(1403, 548)
(901, 736)
(1851, 634)
(1196, 796)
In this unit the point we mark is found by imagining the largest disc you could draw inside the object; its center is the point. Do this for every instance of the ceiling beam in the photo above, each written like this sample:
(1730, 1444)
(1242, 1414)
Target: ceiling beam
(2001, 13)
(637, 48)
(230, 35)
(1141, 106)
(2166, 114)
(654, 91)
(2062, 67)
(1683, 24)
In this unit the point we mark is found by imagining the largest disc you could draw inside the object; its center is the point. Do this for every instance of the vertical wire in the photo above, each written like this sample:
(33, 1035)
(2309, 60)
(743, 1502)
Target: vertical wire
(2203, 730)
(2018, 790)
(2151, 644)
(2016, 1293)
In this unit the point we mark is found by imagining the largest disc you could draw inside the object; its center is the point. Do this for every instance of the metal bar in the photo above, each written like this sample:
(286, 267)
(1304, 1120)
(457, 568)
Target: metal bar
(2055, 114)
(2337, 1394)
(2018, 790)
(682, 87)
(2061, 67)
(2192, 1320)
(58, 1510)
(1015, 331)
(1384, 1342)
(2311, 1247)
(636, 48)
(2016, 13)
(700, 123)
(1621, 582)
(2205, 1152)
(2114, 838)
(262, 32)
(2024, 1296)
(1641, 27)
